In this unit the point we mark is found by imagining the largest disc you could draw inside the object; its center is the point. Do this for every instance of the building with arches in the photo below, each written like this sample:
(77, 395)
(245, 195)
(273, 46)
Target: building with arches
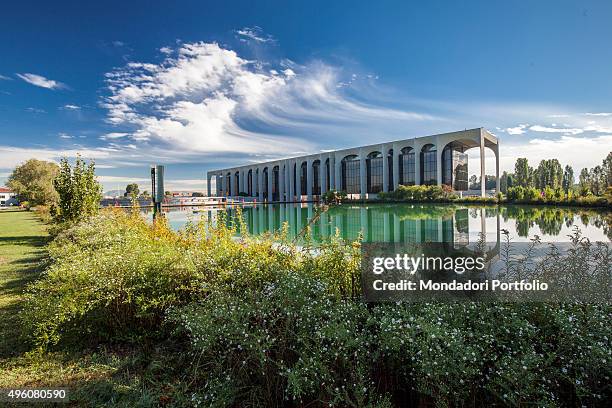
(362, 171)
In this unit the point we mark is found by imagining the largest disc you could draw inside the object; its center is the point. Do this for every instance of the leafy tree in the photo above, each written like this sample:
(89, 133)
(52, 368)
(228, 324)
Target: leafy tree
(79, 191)
(505, 181)
(33, 182)
(549, 173)
(145, 194)
(523, 174)
(598, 180)
(131, 190)
(584, 181)
(607, 169)
(568, 179)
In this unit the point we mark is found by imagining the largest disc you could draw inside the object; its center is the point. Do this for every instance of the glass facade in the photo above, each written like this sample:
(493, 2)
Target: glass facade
(390, 170)
(303, 169)
(350, 175)
(374, 173)
(250, 182)
(428, 165)
(275, 192)
(455, 167)
(265, 184)
(316, 176)
(406, 167)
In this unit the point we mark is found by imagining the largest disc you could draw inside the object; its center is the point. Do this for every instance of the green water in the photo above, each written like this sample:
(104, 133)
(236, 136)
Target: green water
(415, 222)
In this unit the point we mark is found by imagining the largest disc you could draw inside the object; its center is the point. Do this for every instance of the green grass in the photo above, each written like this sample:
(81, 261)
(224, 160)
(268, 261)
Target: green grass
(22, 241)
(105, 376)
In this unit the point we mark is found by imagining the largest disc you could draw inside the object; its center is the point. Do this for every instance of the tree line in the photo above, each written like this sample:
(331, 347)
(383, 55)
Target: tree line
(551, 175)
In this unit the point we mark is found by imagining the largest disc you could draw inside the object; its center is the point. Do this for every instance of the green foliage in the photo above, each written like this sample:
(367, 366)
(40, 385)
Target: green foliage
(419, 193)
(131, 190)
(33, 182)
(334, 197)
(271, 324)
(79, 191)
(523, 174)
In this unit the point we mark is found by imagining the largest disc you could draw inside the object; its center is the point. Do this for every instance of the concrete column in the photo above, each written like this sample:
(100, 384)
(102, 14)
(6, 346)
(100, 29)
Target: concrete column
(224, 184)
(281, 182)
(322, 174)
(396, 176)
(234, 184)
(417, 165)
(385, 168)
(291, 181)
(270, 178)
(208, 185)
(217, 185)
(287, 181)
(309, 179)
(482, 167)
(438, 163)
(253, 183)
(338, 173)
(332, 171)
(363, 186)
(497, 181)
(260, 184)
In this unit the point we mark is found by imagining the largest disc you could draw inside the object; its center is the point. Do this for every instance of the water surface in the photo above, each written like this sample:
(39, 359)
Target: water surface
(414, 222)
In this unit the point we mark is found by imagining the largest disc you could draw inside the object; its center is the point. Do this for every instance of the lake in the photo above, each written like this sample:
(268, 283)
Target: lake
(414, 222)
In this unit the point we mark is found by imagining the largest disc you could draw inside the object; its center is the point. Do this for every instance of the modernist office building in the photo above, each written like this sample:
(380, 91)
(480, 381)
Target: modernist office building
(361, 171)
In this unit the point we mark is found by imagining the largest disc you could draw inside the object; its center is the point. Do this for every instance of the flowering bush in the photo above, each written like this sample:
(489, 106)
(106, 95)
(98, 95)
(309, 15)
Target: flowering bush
(271, 324)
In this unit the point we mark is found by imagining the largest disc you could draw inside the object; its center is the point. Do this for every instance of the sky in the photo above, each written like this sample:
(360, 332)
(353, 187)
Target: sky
(203, 85)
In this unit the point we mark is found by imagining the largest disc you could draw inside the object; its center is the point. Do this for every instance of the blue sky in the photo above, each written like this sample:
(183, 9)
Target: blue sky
(203, 85)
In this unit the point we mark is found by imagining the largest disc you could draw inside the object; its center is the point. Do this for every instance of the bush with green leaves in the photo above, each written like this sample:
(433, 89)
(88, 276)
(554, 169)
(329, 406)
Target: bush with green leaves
(268, 323)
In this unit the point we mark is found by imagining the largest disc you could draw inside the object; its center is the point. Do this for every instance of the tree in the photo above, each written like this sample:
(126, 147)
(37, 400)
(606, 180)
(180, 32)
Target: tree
(506, 181)
(598, 181)
(79, 191)
(549, 173)
(131, 190)
(33, 182)
(523, 174)
(584, 181)
(473, 185)
(607, 169)
(568, 179)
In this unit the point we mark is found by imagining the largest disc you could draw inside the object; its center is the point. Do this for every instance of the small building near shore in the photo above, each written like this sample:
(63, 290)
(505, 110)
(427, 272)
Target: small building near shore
(8, 198)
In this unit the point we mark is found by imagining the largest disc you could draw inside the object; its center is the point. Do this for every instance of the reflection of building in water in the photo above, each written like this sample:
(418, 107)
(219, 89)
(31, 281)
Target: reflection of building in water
(377, 223)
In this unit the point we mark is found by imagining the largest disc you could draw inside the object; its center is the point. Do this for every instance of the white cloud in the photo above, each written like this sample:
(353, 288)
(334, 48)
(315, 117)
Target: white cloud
(65, 136)
(571, 131)
(518, 130)
(207, 99)
(255, 34)
(165, 50)
(5, 78)
(11, 156)
(113, 135)
(70, 107)
(599, 114)
(41, 81)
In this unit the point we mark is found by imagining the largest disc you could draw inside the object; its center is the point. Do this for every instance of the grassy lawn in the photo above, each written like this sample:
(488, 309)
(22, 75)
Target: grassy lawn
(116, 375)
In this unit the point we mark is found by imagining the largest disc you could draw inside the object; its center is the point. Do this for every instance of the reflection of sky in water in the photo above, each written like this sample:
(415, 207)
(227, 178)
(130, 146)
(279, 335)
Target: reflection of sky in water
(420, 222)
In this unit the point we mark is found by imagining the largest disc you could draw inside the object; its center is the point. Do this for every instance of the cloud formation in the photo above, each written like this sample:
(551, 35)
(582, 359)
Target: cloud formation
(41, 81)
(208, 99)
(255, 34)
